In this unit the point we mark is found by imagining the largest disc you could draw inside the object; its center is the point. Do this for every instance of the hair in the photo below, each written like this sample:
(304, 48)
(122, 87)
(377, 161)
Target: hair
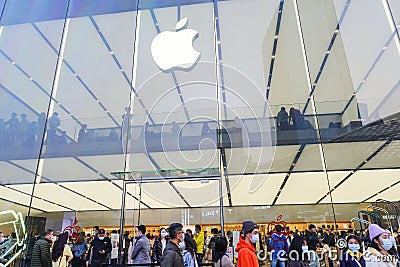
(47, 232)
(162, 228)
(278, 228)
(296, 245)
(13, 235)
(142, 228)
(376, 246)
(59, 245)
(220, 248)
(80, 240)
(353, 237)
(197, 226)
(189, 244)
(311, 226)
(189, 231)
(96, 228)
(214, 231)
(173, 229)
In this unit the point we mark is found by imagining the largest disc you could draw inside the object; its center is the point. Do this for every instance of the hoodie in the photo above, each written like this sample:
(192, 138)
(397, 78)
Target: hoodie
(246, 254)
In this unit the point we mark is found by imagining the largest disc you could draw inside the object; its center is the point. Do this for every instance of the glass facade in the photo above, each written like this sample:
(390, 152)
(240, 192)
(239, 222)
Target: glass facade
(264, 108)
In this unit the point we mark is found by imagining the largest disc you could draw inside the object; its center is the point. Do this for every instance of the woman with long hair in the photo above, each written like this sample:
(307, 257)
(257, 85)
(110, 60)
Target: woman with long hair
(221, 258)
(298, 252)
(188, 251)
(159, 245)
(62, 253)
(380, 253)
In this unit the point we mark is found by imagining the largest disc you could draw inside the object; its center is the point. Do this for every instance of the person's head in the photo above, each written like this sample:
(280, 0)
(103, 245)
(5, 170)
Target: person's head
(278, 228)
(48, 234)
(101, 234)
(189, 244)
(221, 245)
(229, 234)
(55, 114)
(312, 228)
(189, 232)
(283, 108)
(197, 228)
(353, 243)
(23, 116)
(379, 238)
(14, 115)
(175, 232)
(141, 230)
(163, 232)
(13, 235)
(96, 230)
(214, 231)
(250, 232)
(84, 126)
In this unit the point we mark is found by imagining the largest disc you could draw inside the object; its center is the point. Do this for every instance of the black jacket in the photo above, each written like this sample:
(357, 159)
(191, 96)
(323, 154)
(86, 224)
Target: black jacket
(97, 245)
(172, 256)
(312, 240)
(41, 256)
(157, 250)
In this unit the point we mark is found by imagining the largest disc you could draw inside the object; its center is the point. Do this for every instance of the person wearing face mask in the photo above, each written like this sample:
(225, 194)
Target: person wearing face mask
(353, 256)
(159, 245)
(279, 245)
(99, 249)
(298, 252)
(41, 255)
(246, 245)
(380, 253)
(172, 256)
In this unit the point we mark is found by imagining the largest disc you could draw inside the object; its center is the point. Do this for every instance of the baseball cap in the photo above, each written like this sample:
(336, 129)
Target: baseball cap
(248, 226)
(102, 231)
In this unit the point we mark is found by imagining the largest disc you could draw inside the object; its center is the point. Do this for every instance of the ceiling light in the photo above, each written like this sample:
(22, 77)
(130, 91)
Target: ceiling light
(276, 36)
(337, 30)
(75, 74)
(30, 78)
(122, 70)
(13, 62)
(273, 56)
(384, 48)
(328, 51)
(111, 52)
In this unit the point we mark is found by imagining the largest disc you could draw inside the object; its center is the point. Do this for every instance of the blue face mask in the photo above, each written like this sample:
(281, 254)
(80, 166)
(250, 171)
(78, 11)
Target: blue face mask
(393, 240)
(304, 248)
(387, 244)
(255, 238)
(182, 245)
(354, 247)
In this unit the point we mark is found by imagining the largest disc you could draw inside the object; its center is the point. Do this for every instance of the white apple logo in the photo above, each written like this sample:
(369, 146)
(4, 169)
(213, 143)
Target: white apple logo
(175, 49)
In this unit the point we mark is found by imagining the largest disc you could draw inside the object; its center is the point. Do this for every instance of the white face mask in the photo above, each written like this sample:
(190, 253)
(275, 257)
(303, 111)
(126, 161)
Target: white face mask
(163, 235)
(255, 238)
(304, 248)
(101, 237)
(182, 245)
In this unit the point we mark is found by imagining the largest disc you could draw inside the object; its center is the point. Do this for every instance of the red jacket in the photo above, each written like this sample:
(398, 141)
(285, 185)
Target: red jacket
(247, 254)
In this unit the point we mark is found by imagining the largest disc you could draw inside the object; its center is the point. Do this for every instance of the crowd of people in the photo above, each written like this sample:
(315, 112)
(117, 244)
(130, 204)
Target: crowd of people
(175, 247)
